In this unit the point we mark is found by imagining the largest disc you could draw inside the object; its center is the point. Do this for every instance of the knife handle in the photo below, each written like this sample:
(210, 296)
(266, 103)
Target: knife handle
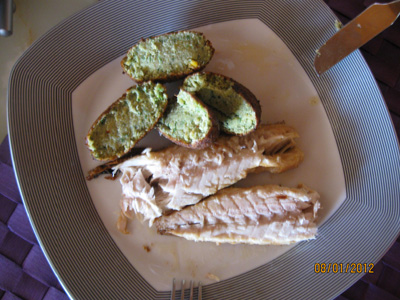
(7, 7)
(395, 6)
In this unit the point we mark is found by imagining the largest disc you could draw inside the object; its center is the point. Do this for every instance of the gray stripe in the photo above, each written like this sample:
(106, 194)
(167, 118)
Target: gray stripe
(54, 190)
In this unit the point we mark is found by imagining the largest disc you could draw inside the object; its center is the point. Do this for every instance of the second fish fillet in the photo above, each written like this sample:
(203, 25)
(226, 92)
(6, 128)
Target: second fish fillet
(264, 215)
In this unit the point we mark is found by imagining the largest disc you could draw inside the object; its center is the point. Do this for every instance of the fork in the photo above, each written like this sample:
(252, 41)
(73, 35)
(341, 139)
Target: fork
(183, 290)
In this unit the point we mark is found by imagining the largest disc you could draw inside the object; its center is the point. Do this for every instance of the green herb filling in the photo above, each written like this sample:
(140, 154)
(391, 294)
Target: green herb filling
(128, 120)
(185, 119)
(234, 113)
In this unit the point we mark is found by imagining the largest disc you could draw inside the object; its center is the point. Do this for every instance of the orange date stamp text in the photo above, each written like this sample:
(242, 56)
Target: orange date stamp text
(355, 268)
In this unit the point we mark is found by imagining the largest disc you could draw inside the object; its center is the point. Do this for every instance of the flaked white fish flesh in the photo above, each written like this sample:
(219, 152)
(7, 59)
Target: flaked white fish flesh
(265, 215)
(156, 182)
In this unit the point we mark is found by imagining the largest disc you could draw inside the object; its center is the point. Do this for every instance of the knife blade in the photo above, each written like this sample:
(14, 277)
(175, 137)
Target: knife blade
(356, 33)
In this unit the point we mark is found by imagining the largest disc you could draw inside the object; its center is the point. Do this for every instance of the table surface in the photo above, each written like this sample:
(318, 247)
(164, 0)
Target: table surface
(31, 20)
(25, 273)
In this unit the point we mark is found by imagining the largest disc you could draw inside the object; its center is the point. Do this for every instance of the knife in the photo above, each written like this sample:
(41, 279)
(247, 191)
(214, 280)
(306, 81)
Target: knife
(356, 33)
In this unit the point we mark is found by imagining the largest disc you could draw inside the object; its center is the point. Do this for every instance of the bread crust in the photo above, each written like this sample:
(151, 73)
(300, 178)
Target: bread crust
(208, 139)
(110, 158)
(172, 76)
(246, 95)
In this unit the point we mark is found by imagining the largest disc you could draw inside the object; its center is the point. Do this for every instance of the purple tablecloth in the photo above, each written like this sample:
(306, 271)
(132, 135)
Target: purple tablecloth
(25, 273)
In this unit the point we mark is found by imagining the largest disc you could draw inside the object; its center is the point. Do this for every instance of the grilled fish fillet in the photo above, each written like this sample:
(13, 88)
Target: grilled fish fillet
(262, 215)
(156, 182)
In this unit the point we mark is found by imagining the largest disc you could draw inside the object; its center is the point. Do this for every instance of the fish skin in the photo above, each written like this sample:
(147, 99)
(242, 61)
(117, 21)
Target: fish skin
(263, 215)
(155, 183)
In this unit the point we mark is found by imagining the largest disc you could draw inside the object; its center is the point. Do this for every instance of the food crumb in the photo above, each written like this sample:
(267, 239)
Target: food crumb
(359, 25)
(212, 277)
(122, 223)
(314, 100)
(147, 248)
(318, 53)
(338, 25)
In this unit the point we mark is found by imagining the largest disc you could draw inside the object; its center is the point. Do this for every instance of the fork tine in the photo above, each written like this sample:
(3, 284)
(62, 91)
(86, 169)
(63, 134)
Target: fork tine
(183, 290)
(191, 290)
(173, 290)
(200, 291)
